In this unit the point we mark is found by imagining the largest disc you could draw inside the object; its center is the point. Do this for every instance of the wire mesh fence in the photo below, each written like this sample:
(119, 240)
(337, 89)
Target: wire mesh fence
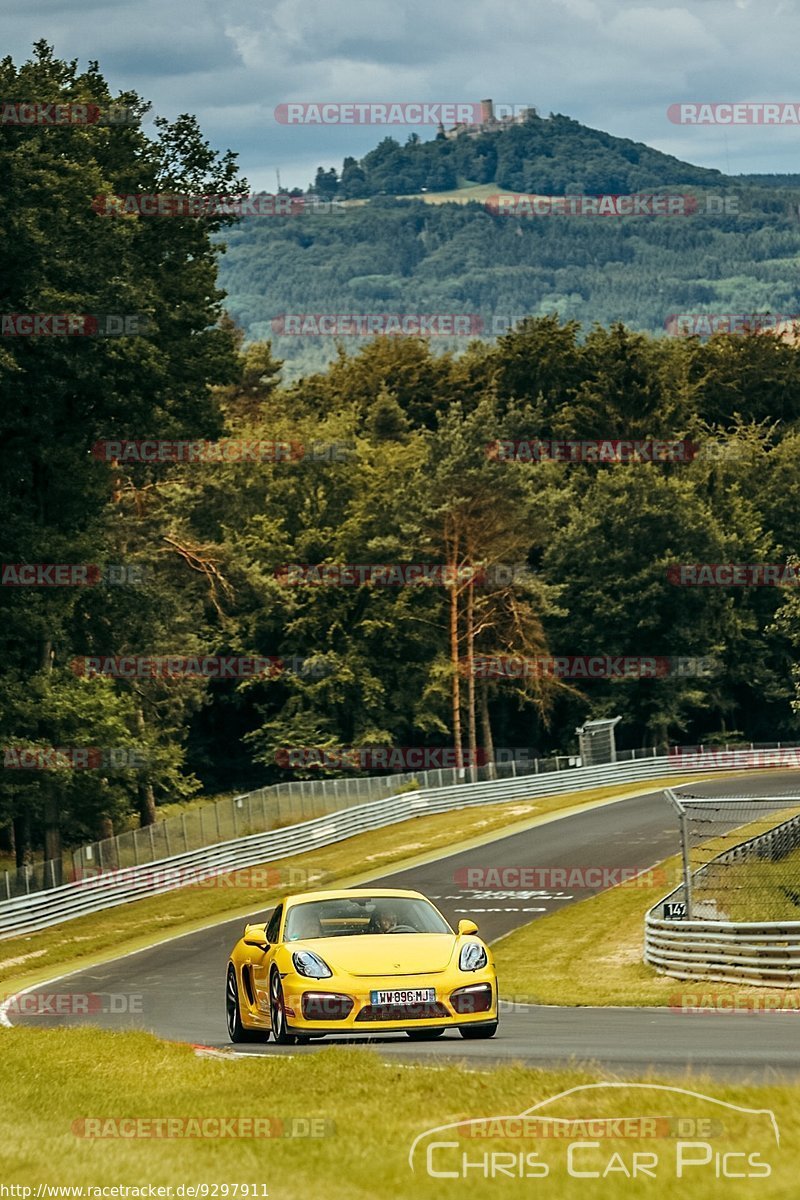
(741, 857)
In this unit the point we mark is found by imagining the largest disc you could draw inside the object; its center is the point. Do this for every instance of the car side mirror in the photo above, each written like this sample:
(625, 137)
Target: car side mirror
(467, 927)
(256, 935)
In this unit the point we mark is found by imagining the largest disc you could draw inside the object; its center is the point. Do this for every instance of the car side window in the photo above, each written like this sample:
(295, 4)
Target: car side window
(274, 925)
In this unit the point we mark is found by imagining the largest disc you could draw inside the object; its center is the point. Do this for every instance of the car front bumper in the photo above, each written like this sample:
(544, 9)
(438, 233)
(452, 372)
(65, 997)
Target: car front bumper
(479, 1006)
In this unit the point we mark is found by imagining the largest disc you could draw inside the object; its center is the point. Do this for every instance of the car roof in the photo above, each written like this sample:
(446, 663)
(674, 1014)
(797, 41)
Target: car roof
(347, 893)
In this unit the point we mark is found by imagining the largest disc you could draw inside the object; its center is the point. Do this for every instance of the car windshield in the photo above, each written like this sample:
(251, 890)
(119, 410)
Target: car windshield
(373, 914)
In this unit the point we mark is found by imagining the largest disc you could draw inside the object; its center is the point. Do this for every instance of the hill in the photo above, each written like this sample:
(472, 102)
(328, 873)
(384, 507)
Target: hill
(448, 251)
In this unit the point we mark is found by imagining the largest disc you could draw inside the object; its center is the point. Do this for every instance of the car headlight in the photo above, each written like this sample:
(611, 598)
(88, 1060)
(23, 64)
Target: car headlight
(473, 957)
(311, 965)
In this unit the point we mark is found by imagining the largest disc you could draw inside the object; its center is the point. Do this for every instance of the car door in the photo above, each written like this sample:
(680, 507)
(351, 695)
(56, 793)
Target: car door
(261, 961)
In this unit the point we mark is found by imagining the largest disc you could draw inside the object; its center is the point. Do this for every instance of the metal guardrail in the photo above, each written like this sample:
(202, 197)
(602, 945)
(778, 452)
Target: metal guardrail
(25, 914)
(764, 952)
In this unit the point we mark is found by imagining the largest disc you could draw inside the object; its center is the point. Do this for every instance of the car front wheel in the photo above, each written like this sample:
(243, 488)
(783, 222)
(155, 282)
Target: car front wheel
(277, 1013)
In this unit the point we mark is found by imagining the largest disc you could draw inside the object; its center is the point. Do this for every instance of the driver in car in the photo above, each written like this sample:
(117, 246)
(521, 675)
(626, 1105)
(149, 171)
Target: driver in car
(383, 921)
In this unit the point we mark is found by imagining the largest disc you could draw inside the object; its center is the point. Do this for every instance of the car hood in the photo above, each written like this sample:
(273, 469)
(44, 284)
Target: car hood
(374, 954)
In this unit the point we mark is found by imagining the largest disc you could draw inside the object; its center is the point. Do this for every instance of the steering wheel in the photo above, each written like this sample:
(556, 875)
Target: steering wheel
(404, 929)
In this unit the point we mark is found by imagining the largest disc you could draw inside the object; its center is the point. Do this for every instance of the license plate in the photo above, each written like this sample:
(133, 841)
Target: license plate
(405, 996)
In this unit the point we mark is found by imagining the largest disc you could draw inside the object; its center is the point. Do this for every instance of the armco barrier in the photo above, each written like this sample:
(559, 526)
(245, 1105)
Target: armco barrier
(754, 952)
(767, 952)
(25, 914)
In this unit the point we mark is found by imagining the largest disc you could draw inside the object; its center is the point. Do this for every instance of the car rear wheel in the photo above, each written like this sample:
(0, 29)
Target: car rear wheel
(472, 1032)
(277, 1013)
(233, 1014)
(424, 1035)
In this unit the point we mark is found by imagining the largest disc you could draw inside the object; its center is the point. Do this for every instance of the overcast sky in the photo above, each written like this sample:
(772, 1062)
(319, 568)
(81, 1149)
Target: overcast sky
(615, 66)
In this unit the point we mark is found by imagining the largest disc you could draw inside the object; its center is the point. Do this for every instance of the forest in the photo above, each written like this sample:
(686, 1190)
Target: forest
(388, 455)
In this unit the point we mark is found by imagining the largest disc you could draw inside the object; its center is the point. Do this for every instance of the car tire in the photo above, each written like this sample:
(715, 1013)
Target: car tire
(233, 1014)
(277, 1013)
(473, 1032)
(424, 1035)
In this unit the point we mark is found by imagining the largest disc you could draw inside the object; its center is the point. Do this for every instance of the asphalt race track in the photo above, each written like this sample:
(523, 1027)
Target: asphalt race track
(177, 987)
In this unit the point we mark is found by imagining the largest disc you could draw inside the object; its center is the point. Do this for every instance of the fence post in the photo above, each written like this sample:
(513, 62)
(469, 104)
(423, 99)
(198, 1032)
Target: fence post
(8, 885)
(185, 834)
(152, 845)
(687, 875)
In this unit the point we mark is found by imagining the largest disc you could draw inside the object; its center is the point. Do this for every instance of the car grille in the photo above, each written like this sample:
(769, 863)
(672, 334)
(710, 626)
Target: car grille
(403, 1012)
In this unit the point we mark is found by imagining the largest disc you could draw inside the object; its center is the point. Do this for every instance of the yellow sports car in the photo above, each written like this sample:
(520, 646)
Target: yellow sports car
(359, 961)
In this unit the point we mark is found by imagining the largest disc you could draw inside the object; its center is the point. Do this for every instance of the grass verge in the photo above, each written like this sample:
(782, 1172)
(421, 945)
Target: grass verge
(74, 1082)
(26, 960)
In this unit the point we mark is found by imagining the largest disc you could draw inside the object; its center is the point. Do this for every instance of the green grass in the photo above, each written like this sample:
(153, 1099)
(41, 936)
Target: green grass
(29, 959)
(754, 890)
(375, 1110)
(461, 195)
